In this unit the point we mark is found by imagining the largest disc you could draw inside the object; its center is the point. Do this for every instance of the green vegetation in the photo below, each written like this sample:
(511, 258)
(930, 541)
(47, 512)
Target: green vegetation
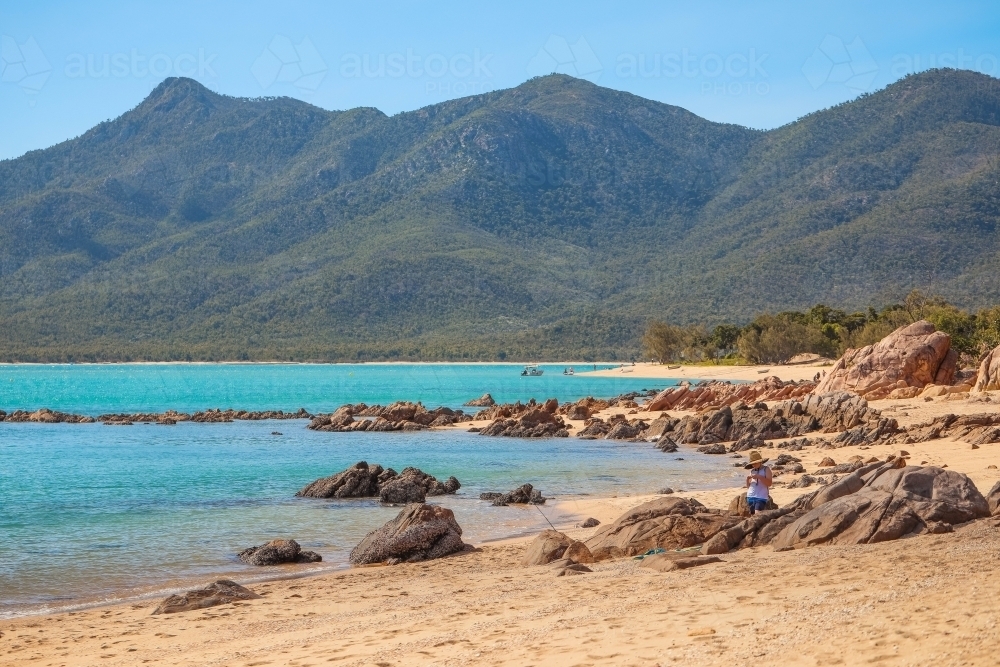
(771, 339)
(554, 220)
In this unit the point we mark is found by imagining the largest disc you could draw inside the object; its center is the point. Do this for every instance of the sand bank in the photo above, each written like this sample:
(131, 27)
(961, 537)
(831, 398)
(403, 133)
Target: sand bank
(919, 600)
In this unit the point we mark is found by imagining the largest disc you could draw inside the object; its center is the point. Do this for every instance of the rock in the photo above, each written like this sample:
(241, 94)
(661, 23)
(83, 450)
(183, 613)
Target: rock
(548, 546)
(661, 426)
(668, 523)
(827, 462)
(717, 448)
(976, 429)
(522, 495)
(891, 503)
(915, 356)
(739, 507)
(222, 591)
(419, 532)
(665, 491)
(670, 562)
(578, 553)
(277, 552)
(803, 482)
(993, 498)
(532, 423)
(484, 401)
(358, 481)
(666, 444)
(988, 378)
(364, 481)
(565, 567)
(401, 491)
(590, 523)
(717, 544)
(626, 431)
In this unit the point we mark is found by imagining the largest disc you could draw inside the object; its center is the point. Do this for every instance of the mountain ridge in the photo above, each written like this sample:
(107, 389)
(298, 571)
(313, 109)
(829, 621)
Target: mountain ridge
(551, 219)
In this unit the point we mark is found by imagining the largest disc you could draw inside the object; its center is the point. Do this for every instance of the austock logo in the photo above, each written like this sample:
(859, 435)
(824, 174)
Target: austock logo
(833, 61)
(559, 56)
(23, 64)
(286, 62)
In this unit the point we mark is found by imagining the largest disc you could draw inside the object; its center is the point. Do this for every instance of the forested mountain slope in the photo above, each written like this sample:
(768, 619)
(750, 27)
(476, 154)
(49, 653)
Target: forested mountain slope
(549, 220)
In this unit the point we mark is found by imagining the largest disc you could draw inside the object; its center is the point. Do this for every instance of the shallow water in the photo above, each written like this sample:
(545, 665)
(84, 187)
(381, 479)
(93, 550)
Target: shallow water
(91, 512)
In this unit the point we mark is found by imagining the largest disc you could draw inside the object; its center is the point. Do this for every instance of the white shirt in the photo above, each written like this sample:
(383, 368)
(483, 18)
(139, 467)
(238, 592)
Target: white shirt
(757, 489)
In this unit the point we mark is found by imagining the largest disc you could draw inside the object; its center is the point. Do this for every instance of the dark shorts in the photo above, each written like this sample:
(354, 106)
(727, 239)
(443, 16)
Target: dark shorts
(756, 505)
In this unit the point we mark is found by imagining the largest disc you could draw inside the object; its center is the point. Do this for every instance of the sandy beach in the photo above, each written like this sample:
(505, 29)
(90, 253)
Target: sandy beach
(708, 372)
(918, 600)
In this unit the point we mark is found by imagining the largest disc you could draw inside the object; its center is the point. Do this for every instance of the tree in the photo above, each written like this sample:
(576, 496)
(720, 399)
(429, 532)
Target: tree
(663, 341)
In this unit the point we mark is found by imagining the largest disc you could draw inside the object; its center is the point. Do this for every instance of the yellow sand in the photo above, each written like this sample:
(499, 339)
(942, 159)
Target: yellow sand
(919, 601)
(748, 373)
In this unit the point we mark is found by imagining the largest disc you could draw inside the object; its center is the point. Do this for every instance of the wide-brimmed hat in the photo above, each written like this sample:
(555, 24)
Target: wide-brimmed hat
(755, 457)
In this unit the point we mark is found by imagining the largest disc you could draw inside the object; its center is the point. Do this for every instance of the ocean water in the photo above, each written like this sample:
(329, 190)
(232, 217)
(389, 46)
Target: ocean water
(92, 513)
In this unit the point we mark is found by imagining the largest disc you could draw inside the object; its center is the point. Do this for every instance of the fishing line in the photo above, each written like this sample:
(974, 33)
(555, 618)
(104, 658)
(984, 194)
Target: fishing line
(544, 517)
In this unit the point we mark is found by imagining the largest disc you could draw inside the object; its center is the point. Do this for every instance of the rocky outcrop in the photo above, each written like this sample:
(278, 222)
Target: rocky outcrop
(716, 394)
(912, 356)
(44, 416)
(988, 378)
(278, 552)
(399, 416)
(667, 523)
(890, 504)
(548, 546)
(993, 499)
(522, 495)
(536, 422)
(212, 416)
(751, 426)
(484, 401)
(222, 591)
(419, 532)
(976, 429)
(373, 481)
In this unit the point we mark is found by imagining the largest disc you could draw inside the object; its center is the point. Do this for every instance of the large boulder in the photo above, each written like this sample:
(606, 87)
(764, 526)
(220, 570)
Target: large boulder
(278, 552)
(667, 523)
(988, 378)
(912, 356)
(548, 546)
(419, 532)
(891, 503)
(222, 591)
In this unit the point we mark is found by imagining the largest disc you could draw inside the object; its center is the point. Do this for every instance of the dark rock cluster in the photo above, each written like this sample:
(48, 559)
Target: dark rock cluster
(278, 552)
(44, 416)
(399, 416)
(522, 495)
(373, 481)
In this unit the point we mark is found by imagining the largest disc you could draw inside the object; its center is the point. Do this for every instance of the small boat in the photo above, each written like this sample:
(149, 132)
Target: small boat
(568, 371)
(532, 370)
(766, 370)
(674, 367)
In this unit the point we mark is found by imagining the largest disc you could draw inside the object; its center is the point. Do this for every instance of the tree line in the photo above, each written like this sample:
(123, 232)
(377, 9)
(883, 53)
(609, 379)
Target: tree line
(776, 338)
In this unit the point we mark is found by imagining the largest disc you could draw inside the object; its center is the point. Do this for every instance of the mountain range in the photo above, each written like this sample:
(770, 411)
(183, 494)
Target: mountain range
(553, 220)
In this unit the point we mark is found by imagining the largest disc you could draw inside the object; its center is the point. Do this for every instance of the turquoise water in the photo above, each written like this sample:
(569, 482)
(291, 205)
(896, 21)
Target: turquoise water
(92, 513)
(91, 389)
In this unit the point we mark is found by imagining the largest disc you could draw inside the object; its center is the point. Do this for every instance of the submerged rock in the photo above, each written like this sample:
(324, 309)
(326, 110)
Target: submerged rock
(522, 495)
(277, 552)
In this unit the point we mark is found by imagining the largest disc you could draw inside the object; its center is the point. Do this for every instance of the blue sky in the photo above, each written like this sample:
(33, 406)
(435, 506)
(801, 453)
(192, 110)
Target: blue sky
(67, 66)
